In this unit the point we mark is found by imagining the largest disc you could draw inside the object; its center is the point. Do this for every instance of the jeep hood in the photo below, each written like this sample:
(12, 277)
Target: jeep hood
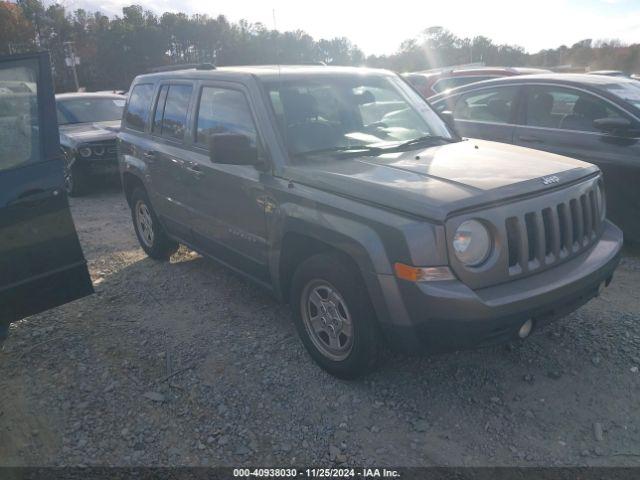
(80, 133)
(439, 181)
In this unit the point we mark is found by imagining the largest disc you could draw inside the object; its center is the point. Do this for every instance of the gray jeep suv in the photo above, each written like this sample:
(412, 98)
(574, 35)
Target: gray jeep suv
(344, 194)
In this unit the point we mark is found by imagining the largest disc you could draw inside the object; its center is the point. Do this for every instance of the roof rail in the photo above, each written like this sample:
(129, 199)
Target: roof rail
(206, 66)
(182, 66)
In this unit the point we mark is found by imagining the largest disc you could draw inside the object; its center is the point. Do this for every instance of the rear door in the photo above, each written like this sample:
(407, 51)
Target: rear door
(41, 262)
(487, 113)
(168, 159)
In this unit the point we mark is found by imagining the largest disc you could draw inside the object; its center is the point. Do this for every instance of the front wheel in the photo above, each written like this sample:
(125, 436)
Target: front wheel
(153, 240)
(334, 317)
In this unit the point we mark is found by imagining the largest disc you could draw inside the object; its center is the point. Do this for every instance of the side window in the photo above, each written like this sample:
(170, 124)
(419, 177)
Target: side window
(447, 103)
(566, 109)
(486, 105)
(223, 111)
(159, 112)
(417, 80)
(19, 122)
(175, 111)
(137, 114)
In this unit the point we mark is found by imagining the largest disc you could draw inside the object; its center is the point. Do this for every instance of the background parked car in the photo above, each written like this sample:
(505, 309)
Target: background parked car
(88, 123)
(432, 82)
(595, 118)
(609, 73)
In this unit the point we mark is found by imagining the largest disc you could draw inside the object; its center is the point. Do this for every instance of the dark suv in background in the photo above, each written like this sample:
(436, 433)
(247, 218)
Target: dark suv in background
(341, 191)
(88, 124)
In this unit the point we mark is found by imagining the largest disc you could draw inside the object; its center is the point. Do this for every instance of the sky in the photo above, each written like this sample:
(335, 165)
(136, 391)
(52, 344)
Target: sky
(378, 27)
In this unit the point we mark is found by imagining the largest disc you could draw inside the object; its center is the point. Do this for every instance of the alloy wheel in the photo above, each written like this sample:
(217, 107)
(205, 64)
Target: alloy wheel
(327, 320)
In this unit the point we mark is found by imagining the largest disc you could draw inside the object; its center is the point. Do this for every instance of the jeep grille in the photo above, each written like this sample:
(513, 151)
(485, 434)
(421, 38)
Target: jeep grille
(534, 234)
(545, 236)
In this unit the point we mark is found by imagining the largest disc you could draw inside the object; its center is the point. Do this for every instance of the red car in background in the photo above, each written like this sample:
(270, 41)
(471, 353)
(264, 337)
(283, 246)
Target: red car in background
(432, 82)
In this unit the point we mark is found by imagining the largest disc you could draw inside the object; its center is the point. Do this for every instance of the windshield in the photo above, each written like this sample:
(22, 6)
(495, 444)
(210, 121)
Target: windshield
(628, 91)
(325, 113)
(86, 110)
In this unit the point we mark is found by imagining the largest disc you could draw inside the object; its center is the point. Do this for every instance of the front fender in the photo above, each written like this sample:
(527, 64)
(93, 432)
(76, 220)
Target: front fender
(357, 240)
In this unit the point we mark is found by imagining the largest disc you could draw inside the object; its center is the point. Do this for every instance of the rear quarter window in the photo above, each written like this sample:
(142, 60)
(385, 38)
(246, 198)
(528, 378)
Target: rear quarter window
(138, 107)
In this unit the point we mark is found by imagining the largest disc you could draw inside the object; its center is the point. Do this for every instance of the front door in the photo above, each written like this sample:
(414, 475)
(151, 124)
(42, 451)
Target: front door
(229, 200)
(41, 262)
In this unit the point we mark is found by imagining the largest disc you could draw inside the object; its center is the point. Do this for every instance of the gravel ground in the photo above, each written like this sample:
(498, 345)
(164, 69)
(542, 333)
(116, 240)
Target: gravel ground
(185, 363)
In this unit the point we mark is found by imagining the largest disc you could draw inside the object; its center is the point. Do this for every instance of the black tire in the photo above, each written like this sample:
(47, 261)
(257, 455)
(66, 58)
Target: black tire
(157, 245)
(337, 271)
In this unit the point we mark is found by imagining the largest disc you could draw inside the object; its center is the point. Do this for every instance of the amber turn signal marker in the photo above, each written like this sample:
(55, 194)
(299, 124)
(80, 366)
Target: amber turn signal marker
(422, 274)
(405, 272)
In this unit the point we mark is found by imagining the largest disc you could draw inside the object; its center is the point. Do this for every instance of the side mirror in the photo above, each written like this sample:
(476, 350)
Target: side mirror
(447, 116)
(232, 148)
(618, 126)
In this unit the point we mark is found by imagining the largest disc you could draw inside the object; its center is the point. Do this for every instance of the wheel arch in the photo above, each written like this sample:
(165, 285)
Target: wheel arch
(129, 183)
(359, 244)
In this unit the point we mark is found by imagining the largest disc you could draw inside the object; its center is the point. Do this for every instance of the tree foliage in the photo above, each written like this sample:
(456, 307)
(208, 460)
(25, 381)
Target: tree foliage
(114, 50)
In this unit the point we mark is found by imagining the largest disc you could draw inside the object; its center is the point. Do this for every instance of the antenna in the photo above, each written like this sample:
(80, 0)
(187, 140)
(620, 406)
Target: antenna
(284, 113)
(275, 28)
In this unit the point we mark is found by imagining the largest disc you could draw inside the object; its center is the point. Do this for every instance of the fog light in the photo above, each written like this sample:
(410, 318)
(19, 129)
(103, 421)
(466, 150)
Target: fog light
(525, 329)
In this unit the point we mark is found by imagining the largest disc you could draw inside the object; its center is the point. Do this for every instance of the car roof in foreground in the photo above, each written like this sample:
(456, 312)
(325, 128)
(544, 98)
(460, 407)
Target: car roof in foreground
(572, 79)
(264, 72)
(476, 71)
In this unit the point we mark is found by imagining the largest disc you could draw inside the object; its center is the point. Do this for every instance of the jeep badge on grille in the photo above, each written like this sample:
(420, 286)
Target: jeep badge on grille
(550, 180)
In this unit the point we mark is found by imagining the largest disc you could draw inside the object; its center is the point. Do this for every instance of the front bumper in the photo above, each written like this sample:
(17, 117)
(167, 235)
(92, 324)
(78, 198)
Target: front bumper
(98, 167)
(441, 316)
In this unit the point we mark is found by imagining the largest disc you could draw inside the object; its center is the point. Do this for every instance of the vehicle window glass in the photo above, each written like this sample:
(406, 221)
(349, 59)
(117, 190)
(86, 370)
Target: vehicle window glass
(344, 111)
(159, 112)
(138, 107)
(486, 105)
(453, 82)
(19, 122)
(87, 109)
(417, 80)
(555, 107)
(447, 103)
(224, 111)
(175, 111)
(627, 91)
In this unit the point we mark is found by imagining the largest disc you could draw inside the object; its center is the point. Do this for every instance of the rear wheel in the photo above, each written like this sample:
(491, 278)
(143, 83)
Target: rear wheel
(334, 316)
(153, 240)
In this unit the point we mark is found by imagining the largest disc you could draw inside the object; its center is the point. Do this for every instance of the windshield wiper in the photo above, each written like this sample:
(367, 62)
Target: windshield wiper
(425, 139)
(344, 149)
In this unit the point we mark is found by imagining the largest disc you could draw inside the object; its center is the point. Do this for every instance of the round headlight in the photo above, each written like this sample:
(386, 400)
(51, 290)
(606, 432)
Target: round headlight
(98, 151)
(472, 243)
(84, 152)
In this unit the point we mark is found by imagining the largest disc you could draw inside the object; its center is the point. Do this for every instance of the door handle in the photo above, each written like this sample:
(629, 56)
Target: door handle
(35, 197)
(195, 170)
(530, 139)
(149, 155)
